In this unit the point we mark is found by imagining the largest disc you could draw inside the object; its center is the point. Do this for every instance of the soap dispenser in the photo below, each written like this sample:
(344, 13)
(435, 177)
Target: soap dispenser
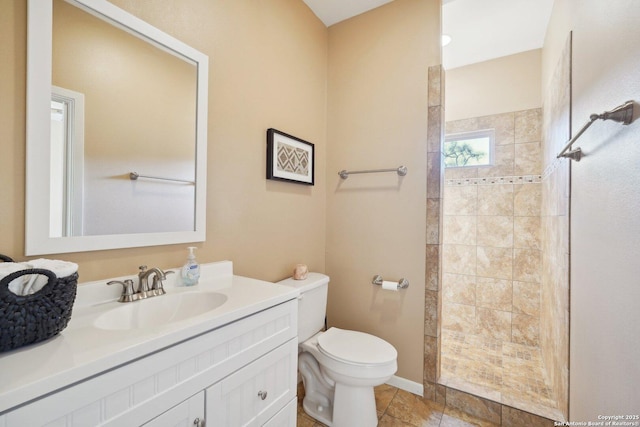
(190, 272)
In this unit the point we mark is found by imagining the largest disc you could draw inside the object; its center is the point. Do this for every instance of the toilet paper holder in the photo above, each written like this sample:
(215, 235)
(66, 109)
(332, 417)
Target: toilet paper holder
(402, 283)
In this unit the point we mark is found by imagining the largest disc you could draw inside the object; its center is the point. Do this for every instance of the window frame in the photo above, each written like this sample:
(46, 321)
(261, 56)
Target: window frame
(476, 134)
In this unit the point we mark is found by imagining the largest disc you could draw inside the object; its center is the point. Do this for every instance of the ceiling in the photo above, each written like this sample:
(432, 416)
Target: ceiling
(480, 29)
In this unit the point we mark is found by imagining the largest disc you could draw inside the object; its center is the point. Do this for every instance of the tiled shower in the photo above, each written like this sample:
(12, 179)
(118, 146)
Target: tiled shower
(492, 268)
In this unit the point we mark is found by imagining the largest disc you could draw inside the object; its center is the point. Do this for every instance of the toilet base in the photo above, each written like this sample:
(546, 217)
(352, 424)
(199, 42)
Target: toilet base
(324, 414)
(354, 407)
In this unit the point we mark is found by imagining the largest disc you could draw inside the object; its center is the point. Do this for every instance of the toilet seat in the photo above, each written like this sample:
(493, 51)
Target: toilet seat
(356, 348)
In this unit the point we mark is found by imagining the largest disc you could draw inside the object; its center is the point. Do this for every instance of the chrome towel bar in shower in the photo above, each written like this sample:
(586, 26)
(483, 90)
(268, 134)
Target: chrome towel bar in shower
(135, 175)
(400, 170)
(621, 114)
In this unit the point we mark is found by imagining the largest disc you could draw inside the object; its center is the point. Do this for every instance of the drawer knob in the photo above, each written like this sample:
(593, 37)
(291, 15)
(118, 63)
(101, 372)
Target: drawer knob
(262, 395)
(198, 422)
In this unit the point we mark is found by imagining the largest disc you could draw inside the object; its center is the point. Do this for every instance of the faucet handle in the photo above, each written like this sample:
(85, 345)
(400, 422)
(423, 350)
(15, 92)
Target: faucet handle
(142, 268)
(127, 290)
(156, 286)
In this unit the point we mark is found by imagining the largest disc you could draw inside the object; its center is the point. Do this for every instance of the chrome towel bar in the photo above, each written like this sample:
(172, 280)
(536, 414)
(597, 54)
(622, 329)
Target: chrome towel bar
(400, 170)
(133, 176)
(621, 114)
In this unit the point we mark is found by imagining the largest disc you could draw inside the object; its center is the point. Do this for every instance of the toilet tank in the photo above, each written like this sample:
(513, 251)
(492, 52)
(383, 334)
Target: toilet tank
(312, 303)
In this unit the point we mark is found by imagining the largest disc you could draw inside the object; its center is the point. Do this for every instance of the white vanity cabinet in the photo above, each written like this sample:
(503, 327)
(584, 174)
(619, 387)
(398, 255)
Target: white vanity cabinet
(242, 373)
(189, 413)
(254, 394)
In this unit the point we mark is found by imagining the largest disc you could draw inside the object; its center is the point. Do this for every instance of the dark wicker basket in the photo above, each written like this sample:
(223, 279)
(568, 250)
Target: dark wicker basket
(32, 318)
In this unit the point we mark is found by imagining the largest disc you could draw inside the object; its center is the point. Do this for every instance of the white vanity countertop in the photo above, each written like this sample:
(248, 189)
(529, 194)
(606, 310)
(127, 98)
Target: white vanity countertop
(82, 350)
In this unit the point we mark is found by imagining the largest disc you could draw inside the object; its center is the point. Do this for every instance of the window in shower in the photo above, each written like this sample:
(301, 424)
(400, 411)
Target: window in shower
(469, 149)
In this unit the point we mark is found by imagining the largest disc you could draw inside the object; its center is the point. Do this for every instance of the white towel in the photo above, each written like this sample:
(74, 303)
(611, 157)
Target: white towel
(32, 283)
(16, 286)
(59, 268)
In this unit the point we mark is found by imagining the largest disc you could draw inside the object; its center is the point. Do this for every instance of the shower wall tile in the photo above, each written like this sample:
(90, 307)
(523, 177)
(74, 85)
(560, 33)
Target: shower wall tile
(476, 406)
(554, 316)
(433, 221)
(527, 265)
(503, 164)
(461, 200)
(434, 177)
(431, 313)
(460, 126)
(494, 324)
(527, 199)
(430, 359)
(525, 329)
(512, 417)
(495, 199)
(435, 91)
(503, 126)
(496, 231)
(499, 222)
(526, 232)
(434, 225)
(526, 298)
(461, 173)
(460, 259)
(460, 230)
(459, 288)
(527, 158)
(435, 130)
(494, 262)
(528, 125)
(459, 317)
(433, 267)
(496, 294)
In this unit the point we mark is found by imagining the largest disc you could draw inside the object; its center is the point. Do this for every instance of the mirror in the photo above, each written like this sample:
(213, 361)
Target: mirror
(116, 131)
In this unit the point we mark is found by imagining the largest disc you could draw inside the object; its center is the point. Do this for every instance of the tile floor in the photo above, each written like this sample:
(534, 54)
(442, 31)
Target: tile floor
(398, 408)
(507, 373)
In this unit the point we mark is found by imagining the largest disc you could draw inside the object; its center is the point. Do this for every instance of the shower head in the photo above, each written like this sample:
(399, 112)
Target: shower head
(622, 114)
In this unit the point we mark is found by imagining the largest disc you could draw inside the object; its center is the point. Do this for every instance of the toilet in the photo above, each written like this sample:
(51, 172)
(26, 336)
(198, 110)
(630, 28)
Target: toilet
(339, 367)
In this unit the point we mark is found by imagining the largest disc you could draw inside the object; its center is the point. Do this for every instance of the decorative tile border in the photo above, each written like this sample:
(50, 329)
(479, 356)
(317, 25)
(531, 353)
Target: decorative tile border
(551, 168)
(524, 179)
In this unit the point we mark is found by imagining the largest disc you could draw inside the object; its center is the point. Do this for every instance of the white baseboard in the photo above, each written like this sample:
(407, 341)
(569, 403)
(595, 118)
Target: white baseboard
(406, 385)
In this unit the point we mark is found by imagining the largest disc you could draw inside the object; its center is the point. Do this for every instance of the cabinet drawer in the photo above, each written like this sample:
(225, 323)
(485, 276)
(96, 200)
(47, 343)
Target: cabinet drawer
(257, 392)
(186, 414)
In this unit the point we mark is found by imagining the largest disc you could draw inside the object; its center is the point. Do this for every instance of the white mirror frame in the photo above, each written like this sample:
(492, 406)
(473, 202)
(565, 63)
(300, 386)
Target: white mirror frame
(39, 61)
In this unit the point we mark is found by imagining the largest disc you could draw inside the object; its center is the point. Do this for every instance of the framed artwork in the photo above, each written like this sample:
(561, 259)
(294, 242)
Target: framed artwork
(289, 158)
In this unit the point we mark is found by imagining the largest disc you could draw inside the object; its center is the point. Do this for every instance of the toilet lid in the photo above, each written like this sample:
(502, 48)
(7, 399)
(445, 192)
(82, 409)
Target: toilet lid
(356, 347)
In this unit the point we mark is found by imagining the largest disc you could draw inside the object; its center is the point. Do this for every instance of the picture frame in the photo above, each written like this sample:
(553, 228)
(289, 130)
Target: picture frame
(290, 158)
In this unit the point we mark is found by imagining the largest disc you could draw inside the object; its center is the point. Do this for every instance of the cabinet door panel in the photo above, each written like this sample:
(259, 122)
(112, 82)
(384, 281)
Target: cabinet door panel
(287, 416)
(184, 414)
(255, 393)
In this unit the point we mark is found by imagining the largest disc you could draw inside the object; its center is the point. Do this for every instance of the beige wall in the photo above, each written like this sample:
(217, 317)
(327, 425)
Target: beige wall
(502, 85)
(268, 67)
(604, 317)
(377, 118)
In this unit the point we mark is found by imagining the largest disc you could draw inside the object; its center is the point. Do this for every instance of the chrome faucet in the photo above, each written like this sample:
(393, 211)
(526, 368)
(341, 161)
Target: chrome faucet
(156, 288)
(144, 290)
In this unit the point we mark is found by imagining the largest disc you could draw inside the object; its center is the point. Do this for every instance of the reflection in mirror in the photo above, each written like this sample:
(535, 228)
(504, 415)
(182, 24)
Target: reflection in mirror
(122, 76)
(121, 97)
(67, 163)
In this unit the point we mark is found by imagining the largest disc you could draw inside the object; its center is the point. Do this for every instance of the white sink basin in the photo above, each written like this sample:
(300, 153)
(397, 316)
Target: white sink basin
(160, 310)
